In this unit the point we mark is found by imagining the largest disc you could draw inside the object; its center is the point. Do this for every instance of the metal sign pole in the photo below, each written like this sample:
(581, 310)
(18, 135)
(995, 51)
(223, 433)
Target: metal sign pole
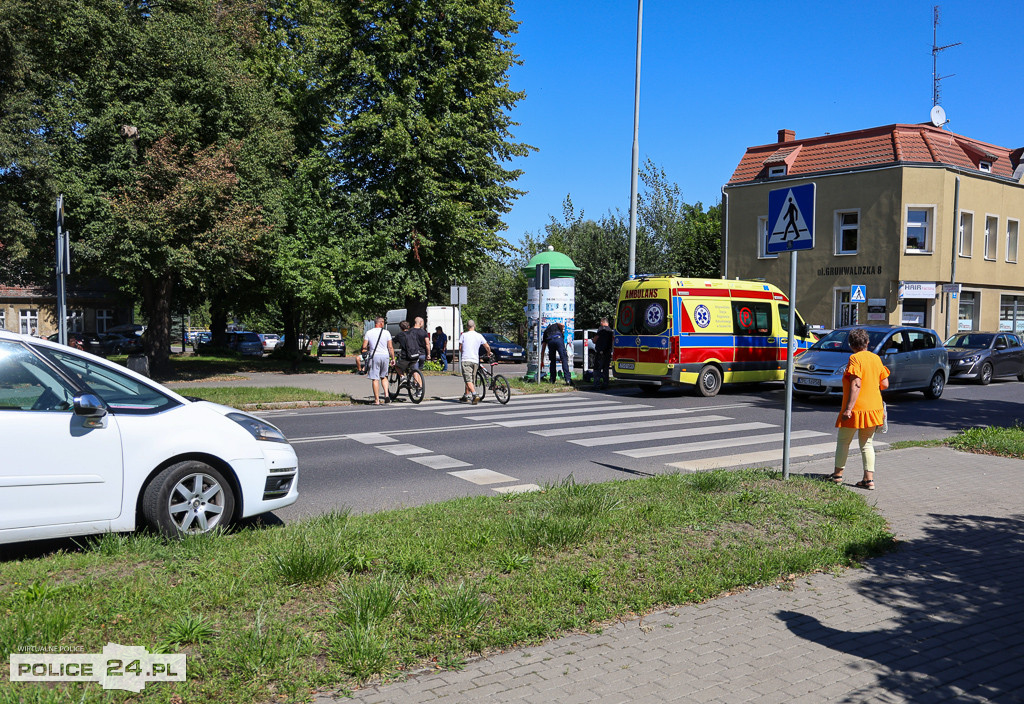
(791, 352)
(63, 266)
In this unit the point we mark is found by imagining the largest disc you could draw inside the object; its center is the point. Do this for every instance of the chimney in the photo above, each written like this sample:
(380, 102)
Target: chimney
(786, 136)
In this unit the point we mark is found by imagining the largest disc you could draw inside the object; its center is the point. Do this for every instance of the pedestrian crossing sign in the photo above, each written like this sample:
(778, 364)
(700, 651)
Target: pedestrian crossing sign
(858, 293)
(790, 219)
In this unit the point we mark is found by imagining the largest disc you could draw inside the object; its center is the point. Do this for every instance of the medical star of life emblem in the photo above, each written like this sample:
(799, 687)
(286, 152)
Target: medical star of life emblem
(702, 316)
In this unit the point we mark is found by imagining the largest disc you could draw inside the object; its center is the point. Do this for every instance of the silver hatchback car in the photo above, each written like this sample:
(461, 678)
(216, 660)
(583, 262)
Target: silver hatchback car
(915, 357)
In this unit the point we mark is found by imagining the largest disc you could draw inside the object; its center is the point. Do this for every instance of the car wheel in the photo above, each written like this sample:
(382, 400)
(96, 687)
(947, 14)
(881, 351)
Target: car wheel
(709, 381)
(985, 376)
(936, 386)
(1020, 377)
(649, 389)
(188, 498)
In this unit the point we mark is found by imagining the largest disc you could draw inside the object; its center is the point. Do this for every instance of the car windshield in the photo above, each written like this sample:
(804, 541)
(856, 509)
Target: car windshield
(838, 340)
(492, 337)
(248, 337)
(972, 341)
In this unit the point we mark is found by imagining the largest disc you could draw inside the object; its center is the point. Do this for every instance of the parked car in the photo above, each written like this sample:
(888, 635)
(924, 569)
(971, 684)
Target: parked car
(117, 343)
(88, 341)
(201, 339)
(504, 349)
(103, 449)
(982, 356)
(330, 343)
(245, 343)
(269, 341)
(915, 357)
(303, 343)
(577, 348)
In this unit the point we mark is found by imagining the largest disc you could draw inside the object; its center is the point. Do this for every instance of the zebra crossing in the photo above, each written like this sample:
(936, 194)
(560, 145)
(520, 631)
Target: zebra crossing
(642, 431)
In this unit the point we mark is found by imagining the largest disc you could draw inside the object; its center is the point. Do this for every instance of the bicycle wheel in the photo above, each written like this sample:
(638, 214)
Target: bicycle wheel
(415, 383)
(501, 389)
(394, 383)
(480, 382)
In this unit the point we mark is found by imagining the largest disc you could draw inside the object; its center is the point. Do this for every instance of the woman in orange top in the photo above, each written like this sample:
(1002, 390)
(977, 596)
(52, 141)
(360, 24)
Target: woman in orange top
(863, 383)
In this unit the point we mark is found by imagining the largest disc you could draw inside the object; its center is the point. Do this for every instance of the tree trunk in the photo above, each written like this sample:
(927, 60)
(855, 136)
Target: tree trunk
(218, 321)
(415, 307)
(156, 300)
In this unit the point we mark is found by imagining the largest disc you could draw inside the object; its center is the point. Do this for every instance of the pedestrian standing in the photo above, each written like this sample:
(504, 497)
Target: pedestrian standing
(862, 411)
(604, 340)
(377, 341)
(554, 340)
(421, 337)
(469, 358)
(440, 343)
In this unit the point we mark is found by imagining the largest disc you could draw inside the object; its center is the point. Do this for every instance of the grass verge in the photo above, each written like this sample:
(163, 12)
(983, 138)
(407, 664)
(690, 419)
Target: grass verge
(1005, 442)
(249, 397)
(273, 613)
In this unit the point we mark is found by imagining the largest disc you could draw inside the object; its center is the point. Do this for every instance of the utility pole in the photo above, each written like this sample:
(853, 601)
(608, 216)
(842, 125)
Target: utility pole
(636, 144)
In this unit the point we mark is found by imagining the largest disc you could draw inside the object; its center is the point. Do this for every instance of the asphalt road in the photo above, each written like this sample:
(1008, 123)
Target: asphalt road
(369, 458)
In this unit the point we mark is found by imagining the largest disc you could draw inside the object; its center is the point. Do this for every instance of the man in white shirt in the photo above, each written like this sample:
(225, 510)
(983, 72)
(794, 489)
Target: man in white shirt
(377, 341)
(470, 343)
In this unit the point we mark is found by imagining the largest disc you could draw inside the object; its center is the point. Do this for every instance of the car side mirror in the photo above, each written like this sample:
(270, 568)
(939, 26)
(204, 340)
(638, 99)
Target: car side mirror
(891, 350)
(89, 406)
(1000, 345)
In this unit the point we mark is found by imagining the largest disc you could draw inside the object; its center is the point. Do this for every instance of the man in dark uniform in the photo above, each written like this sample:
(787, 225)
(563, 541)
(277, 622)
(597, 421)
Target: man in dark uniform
(554, 340)
(604, 340)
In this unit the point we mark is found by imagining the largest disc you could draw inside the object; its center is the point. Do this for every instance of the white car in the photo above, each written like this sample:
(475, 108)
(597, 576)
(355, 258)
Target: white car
(92, 447)
(270, 341)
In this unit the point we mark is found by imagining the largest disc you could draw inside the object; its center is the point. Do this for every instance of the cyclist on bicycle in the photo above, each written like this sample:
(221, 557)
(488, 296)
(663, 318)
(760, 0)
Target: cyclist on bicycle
(469, 357)
(408, 356)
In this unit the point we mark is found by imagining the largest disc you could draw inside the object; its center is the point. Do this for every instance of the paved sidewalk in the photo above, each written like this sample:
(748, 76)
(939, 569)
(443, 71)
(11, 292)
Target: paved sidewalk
(941, 619)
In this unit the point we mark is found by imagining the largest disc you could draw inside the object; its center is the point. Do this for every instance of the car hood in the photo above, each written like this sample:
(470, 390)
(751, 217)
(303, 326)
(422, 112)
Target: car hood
(823, 358)
(961, 352)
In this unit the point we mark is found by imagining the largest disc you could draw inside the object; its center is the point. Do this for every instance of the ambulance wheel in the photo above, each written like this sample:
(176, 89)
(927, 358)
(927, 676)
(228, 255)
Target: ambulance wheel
(709, 381)
(649, 389)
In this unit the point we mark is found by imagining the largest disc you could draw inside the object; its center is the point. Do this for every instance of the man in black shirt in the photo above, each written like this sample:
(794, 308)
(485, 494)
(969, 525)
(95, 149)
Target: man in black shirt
(554, 340)
(604, 340)
(421, 337)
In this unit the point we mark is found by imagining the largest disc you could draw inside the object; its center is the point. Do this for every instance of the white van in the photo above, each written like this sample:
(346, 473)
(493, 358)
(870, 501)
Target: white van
(448, 317)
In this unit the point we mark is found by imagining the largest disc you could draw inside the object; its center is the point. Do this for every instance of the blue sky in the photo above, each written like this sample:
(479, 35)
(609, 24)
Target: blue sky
(719, 76)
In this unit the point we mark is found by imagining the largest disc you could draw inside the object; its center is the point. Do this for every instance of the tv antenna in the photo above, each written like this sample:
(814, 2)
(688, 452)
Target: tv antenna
(936, 78)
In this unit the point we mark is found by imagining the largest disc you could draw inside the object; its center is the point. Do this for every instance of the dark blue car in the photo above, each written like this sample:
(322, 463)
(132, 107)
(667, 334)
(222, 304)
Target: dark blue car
(504, 349)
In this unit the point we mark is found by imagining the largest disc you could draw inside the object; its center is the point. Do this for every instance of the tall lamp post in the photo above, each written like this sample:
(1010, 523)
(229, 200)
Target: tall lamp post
(636, 145)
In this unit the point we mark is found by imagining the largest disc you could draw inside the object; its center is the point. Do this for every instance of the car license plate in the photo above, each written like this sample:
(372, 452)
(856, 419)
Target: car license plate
(626, 365)
(808, 381)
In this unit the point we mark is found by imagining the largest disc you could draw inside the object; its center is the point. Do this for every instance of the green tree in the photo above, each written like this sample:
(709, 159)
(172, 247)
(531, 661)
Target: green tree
(421, 132)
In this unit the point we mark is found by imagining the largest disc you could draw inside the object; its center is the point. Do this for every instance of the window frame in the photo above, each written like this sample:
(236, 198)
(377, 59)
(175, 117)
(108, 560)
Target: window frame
(104, 318)
(76, 320)
(985, 165)
(960, 235)
(3, 319)
(991, 237)
(837, 232)
(30, 315)
(929, 228)
(1016, 239)
(762, 238)
(777, 171)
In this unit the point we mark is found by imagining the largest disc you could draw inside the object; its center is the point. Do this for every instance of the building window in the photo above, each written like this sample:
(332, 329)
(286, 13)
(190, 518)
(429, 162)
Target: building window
(762, 239)
(104, 317)
(919, 229)
(3, 320)
(1012, 228)
(966, 234)
(847, 225)
(28, 321)
(844, 312)
(776, 171)
(1011, 313)
(76, 321)
(965, 316)
(985, 166)
(991, 236)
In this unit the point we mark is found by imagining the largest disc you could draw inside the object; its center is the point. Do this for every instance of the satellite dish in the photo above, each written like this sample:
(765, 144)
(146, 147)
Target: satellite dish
(938, 116)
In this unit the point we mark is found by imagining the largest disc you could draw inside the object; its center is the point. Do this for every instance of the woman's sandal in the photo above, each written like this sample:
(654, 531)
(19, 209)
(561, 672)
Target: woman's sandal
(866, 484)
(835, 478)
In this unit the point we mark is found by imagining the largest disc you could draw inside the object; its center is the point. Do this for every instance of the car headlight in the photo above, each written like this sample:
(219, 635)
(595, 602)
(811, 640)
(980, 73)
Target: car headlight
(971, 358)
(261, 430)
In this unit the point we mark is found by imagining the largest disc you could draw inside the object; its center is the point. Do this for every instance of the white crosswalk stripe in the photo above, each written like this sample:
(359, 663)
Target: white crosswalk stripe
(668, 434)
(533, 408)
(763, 457)
(716, 444)
(633, 425)
(578, 418)
(542, 414)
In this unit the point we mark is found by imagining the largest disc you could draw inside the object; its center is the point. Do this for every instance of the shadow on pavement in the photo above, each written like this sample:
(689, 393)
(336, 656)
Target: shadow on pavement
(960, 629)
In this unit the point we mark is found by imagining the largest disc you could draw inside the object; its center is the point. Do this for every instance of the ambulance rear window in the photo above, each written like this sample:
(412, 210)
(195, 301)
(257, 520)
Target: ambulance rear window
(642, 317)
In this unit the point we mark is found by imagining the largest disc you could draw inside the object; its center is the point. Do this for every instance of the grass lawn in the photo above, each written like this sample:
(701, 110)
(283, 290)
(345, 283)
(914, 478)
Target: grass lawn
(242, 396)
(272, 613)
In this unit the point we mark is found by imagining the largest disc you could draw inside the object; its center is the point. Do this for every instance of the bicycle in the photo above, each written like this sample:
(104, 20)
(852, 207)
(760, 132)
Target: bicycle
(411, 379)
(487, 379)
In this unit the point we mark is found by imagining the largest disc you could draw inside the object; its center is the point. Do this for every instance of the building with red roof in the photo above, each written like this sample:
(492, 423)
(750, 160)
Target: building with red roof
(901, 209)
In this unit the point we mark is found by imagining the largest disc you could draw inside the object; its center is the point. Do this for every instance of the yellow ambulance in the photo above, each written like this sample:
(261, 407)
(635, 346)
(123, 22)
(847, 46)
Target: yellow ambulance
(702, 332)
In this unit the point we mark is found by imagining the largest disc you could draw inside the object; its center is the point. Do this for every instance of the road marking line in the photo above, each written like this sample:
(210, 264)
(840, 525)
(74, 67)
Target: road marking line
(541, 414)
(665, 434)
(402, 449)
(761, 458)
(542, 408)
(482, 476)
(654, 413)
(518, 489)
(715, 444)
(558, 432)
(370, 438)
(440, 462)
(520, 398)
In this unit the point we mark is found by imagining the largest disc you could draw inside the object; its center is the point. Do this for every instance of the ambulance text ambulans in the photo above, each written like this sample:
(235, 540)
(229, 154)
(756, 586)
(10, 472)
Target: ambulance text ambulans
(702, 332)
